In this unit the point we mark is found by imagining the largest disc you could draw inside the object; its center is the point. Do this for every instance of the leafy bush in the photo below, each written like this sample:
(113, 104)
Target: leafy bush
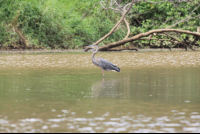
(54, 24)
(73, 24)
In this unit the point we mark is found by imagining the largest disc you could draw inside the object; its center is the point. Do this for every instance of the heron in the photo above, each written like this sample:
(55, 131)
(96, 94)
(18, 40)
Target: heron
(102, 63)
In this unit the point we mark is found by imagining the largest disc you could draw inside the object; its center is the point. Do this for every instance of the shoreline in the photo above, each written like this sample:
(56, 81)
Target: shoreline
(82, 51)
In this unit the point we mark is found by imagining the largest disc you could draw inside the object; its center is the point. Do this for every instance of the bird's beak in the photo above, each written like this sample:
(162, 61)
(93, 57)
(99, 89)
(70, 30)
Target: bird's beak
(90, 46)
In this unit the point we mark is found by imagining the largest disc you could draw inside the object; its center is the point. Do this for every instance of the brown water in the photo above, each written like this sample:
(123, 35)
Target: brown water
(154, 92)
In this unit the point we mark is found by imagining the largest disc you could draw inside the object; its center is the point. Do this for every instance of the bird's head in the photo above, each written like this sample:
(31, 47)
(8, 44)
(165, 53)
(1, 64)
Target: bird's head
(94, 46)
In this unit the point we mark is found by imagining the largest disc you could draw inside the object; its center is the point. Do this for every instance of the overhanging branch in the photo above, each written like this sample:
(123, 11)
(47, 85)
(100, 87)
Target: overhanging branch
(111, 31)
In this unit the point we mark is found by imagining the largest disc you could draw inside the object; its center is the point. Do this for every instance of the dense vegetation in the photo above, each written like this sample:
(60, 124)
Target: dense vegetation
(73, 24)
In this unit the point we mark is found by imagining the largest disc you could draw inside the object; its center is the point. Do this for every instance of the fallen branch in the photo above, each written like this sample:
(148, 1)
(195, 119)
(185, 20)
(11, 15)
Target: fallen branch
(180, 42)
(136, 37)
(157, 39)
(120, 49)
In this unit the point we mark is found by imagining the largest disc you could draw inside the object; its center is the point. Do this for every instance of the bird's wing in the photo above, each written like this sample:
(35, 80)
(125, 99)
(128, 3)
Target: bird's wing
(107, 65)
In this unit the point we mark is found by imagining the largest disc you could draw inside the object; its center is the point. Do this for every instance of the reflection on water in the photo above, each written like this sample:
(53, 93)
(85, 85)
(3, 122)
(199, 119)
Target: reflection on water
(170, 85)
(50, 96)
(106, 88)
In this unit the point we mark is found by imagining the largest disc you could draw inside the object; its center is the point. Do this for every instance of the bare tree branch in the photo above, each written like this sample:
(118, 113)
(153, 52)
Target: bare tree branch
(25, 42)
(101, 2)
(136, 37)
(157, 39)
(120, 49)
(122, 18)
(126, 22)
(186, 19)
(122, 10)
(128, 28)
(113, 5)
(172, 1)
(179, 41)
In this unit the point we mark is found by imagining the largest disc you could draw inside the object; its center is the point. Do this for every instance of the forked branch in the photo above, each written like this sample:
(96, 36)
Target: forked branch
(111, 31)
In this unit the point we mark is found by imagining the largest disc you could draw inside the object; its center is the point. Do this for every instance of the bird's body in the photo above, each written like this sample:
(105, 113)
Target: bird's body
(102, 63)
(105, 65)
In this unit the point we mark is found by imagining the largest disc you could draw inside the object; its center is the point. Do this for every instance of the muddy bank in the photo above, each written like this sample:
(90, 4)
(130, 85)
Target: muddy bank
(83, 60)
(81, 50)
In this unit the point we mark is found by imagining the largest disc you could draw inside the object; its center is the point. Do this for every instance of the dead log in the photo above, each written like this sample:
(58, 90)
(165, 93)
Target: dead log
(136, 37)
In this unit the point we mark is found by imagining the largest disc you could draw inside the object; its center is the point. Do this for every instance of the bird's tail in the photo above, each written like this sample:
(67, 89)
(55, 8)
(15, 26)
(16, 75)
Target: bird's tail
(116, 68)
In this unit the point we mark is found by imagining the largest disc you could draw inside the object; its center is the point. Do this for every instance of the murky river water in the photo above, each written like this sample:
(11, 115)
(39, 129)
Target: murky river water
(154, 92)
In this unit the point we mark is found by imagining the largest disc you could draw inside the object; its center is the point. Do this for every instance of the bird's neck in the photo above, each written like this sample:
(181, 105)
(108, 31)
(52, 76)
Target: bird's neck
(94, 53)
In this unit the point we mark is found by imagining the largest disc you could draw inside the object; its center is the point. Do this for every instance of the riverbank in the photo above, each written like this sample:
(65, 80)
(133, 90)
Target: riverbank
(81, 50)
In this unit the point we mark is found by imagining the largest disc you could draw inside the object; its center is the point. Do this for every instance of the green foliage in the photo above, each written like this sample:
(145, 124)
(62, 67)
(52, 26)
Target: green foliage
(163, 15)
(147, 16)
(73, 24)
(52, 23)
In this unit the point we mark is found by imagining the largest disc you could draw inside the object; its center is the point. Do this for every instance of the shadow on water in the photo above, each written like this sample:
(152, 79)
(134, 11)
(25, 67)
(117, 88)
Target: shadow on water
(106, 88)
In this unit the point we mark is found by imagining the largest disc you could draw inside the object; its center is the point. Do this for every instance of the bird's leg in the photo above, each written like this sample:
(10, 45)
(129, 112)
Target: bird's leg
(103, 73)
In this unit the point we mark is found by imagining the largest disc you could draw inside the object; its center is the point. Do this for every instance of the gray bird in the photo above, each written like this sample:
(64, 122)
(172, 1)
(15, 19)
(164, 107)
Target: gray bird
(102, 63)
